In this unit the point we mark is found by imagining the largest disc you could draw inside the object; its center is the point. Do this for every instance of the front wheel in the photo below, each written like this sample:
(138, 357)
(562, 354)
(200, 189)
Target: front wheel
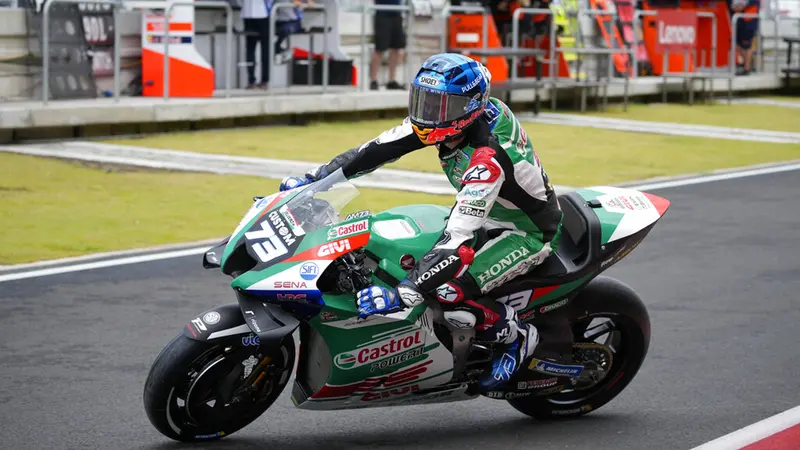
(199, 391)
(611, 320)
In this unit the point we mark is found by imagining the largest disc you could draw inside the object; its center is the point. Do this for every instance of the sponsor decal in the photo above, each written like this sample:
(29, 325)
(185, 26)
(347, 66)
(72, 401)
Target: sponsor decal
(334, 248)
(428, 81)
(527, 314)
(210, 436)
(495, 394)
(474, 212)
(510, 395)
(251, 339)
(198, 323)
(409, 296)
(348, 229)
(292, 221)
(449, 293)
(407, 262)
(292, 297)
(551, 390)
(474, 192)
(559, 304)
(477, 174)
(267, 245)
(565, 412)
(326, 316)
(309, 271)
(396, 359)
(436, 269)
(472, 84)
(517, 300)
(212, 257)
(624, 203)
(382, 349)
(254, 323)
(211, 317)
(289, 284)
(281, 228)
(537, 384)
(475, 203)
(677, 31)
(508, 260)
(391, 393)
(357, 215)
(555, 369)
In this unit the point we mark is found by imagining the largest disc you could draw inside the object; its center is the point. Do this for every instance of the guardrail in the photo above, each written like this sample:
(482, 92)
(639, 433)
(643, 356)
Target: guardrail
(273, 35)
(46, 44)
(228, 38)
(365, 58)
(552, 60)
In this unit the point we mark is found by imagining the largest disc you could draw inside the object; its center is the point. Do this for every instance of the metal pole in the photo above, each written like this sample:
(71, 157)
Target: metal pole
(732, 60)
(229, 50)
(485, 35)
(363, 41)
(325, 62)
(117, 57)
(410, 33)
(165, 75)
(46, 51)
(778, 19)
(664, 69)
(636, 17)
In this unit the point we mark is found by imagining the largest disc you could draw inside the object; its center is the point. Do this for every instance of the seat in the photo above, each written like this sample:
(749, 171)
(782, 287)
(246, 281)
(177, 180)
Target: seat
(578, 245)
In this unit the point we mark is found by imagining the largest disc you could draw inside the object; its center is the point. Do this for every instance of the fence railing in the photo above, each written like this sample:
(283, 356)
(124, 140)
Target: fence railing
(273, 36)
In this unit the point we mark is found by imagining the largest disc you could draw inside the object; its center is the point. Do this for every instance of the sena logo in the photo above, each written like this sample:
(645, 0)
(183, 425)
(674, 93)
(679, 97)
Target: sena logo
(382, 349)
(334, 248)
(290, 284)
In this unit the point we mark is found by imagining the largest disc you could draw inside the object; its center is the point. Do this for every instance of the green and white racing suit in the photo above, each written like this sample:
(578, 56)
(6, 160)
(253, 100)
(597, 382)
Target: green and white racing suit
(504, 222)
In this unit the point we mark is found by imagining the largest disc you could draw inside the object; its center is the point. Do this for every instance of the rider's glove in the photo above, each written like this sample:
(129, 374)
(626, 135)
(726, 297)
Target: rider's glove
(294, 182)
(378, 300)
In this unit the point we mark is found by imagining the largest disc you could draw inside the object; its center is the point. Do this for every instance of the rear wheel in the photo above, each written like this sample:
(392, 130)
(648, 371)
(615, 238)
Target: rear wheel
(198, 391)
(612, 322)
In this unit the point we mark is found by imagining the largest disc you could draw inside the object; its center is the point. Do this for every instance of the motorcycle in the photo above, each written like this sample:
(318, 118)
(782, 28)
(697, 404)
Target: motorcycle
(296, 266)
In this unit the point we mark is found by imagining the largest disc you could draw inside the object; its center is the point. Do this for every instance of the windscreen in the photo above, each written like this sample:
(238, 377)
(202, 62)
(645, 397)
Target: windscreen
(321, 203)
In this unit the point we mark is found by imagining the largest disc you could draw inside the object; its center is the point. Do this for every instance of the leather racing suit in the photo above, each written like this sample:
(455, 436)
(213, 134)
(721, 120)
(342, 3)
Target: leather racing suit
(505, 221)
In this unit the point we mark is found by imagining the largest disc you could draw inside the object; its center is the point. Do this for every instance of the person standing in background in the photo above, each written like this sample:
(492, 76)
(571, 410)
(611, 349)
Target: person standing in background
(289, 20)
(746, 32)
(389, 35)
(255, 14)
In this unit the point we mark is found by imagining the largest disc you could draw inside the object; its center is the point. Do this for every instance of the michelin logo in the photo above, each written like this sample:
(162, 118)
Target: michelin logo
(555, 369)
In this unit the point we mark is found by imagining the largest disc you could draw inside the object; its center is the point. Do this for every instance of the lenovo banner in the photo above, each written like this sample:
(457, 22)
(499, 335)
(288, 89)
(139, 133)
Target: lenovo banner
(676, 31)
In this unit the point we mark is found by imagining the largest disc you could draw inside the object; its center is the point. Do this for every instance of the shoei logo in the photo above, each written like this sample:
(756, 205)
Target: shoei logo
(428, 81)
(376, 352)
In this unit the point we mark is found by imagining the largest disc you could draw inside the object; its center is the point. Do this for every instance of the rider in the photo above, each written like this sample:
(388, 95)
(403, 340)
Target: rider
(505, 220)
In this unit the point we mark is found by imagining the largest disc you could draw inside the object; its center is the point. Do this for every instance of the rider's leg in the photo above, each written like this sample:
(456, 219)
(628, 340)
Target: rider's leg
(504, 256)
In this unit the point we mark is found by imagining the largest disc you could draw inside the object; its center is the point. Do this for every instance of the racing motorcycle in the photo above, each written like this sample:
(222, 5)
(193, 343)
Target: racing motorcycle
(296, 266)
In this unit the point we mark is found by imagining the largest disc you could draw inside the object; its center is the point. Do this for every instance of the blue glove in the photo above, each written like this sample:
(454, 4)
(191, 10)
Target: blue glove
(378, 300)
(294, 182)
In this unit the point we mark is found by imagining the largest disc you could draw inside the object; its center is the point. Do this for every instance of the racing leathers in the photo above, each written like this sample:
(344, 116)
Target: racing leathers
(505, 220)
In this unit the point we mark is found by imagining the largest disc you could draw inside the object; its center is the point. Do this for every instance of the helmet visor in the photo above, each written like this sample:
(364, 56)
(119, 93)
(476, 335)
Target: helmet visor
(435, 107)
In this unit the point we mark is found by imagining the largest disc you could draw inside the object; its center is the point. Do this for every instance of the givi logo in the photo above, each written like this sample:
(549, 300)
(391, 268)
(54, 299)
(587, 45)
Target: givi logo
(379, 350)
(677, 31)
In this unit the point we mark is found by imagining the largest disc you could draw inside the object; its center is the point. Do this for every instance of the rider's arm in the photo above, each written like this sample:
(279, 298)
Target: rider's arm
(451, 255)
(389, 146)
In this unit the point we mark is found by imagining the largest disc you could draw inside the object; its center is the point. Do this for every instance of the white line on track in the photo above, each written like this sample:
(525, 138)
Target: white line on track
(755, 432)
(666, 184)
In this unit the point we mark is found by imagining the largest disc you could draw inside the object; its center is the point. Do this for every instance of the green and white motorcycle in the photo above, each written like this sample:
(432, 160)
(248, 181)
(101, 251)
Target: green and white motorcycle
(297, 265)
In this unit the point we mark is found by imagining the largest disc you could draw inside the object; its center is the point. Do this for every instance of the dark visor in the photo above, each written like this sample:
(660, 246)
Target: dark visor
(433, 107)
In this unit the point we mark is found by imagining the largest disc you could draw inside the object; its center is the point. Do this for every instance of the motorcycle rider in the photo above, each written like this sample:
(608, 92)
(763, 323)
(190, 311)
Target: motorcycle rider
(505, 220)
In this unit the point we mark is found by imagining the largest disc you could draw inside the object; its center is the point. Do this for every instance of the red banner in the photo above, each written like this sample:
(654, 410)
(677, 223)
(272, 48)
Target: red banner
(676, 31)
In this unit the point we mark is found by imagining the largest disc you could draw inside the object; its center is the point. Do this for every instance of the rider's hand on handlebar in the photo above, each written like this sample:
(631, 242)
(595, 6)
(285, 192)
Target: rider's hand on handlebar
(294, 182)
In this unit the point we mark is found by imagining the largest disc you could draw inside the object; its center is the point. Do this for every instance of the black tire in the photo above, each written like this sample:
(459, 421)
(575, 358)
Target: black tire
(603, 297)
(187, 372)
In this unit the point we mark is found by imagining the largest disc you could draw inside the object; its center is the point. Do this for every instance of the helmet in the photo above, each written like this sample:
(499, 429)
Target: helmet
(449, 92)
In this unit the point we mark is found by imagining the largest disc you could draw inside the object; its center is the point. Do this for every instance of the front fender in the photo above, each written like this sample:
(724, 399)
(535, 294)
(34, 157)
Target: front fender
(217, 324)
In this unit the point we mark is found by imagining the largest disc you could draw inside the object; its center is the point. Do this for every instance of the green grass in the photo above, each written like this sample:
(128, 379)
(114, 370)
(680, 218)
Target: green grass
(573, 156)
(55, 209)
(784, 98)
(735, 116)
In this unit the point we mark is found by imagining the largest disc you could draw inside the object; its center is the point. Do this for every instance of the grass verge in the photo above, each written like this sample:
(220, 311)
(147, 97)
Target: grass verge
(55, 209)
(760, 117)
(572, 156)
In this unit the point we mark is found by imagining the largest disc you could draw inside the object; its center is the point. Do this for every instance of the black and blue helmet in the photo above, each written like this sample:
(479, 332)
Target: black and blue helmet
(449, 92)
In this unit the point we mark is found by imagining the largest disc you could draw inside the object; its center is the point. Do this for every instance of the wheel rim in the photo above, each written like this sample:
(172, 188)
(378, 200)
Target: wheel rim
(210, 397)
(616, 339)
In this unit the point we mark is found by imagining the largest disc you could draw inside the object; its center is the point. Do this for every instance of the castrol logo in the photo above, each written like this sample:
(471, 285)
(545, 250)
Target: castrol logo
(676, 34)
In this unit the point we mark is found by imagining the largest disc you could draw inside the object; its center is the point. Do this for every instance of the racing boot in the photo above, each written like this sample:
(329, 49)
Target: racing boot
(510, 357)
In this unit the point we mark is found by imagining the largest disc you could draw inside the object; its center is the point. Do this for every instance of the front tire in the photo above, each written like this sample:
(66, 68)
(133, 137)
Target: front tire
(200, 391)
(607, 298)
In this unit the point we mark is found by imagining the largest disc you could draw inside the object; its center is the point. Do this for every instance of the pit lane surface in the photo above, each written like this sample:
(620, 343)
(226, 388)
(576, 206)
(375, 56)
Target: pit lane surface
(719, 274)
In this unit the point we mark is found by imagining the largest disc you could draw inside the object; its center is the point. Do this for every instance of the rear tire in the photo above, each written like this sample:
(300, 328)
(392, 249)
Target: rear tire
(603, 297)
(188, 375)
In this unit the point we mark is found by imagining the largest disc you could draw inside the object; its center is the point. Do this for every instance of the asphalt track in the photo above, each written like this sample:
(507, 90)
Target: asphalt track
(720, 275)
